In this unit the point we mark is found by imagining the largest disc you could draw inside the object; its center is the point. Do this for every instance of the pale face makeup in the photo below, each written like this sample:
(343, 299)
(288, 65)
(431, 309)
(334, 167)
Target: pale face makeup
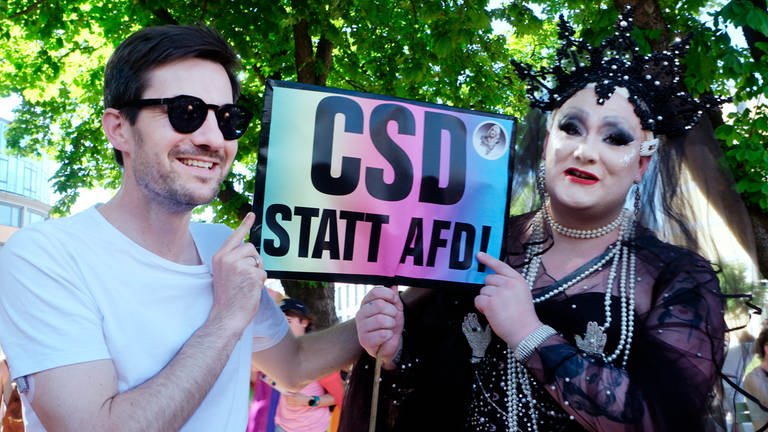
(628, 158)
(592, 155)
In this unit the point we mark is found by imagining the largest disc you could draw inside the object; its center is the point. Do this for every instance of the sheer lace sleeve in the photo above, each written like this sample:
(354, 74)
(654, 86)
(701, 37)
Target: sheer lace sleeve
(677, 350)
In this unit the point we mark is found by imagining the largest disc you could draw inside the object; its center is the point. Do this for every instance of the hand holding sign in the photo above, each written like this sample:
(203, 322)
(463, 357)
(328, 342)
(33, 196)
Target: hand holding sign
(380, 324)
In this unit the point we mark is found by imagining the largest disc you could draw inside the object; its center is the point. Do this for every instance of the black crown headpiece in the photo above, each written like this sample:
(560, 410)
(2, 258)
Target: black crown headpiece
(653, 80)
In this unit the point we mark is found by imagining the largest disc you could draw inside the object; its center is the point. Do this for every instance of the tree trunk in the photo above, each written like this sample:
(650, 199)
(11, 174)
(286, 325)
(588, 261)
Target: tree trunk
(753, 36)
(758, 215)
(319, 298)
(647, 14)
(760, 228)
(716, 188)
(312, 66)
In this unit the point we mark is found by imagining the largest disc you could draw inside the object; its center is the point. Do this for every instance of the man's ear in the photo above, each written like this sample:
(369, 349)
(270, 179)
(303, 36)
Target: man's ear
(116, 128)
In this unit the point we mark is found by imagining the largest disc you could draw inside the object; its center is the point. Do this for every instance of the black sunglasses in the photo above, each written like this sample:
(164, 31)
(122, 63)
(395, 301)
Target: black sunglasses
(187, 113)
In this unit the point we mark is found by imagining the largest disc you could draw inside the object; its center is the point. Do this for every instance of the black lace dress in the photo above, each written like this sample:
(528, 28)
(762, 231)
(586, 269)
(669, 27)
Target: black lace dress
(677, 349)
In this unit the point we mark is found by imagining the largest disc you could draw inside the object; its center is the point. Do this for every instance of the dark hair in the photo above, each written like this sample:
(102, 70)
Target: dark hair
(299, 315)
(125, 77)
(762, 339)
(296, 308)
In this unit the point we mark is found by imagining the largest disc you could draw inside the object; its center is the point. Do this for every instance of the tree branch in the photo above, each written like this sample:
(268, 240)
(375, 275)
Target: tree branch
(647, 14)
(303, 52)
(323, 55)
(203, 11)
(161, 14)
(753, 36)
(31, 7)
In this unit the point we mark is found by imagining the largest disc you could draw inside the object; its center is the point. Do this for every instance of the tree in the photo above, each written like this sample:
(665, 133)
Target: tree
(746, 136)
(443, 51)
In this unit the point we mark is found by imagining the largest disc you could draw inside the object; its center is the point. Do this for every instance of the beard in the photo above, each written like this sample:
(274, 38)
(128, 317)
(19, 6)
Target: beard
(167, 187)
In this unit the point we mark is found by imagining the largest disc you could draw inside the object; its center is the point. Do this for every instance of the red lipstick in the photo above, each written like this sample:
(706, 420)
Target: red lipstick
(580, 176)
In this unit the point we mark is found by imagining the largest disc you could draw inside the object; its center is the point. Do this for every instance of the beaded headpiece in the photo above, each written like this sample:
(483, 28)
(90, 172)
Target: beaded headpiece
(653, 80)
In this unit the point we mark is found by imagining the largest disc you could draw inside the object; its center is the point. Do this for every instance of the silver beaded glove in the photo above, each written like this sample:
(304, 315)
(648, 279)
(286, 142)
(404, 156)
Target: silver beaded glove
(477, 337)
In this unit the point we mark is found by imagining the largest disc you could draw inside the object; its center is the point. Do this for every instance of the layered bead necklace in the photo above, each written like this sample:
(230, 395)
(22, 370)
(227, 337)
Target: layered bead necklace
(623, 264)
(581, 234)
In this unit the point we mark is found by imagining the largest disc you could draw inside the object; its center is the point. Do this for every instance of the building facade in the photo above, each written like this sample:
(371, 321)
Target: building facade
(25, 195)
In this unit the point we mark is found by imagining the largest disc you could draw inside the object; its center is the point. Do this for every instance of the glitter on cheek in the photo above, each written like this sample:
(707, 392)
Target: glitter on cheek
(627, 159)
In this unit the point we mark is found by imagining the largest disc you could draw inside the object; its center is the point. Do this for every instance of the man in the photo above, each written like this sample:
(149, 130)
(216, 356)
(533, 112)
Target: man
(129, 317)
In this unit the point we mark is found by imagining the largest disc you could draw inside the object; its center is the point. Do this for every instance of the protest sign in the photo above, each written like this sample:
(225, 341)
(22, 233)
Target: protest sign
(364, 188)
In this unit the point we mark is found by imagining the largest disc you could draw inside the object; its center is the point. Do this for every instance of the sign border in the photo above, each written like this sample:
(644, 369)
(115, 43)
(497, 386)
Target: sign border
(261, 173)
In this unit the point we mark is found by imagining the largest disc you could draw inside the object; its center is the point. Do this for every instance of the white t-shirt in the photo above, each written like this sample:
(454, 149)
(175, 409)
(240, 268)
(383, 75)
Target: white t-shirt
(76, 289)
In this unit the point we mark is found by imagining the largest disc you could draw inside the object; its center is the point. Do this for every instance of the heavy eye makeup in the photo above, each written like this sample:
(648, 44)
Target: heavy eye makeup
(571, 125)
(618, 136)
(613, 133)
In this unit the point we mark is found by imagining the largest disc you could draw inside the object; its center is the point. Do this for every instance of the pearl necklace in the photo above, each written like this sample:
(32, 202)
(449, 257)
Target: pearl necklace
(623, 262)
(577, 233)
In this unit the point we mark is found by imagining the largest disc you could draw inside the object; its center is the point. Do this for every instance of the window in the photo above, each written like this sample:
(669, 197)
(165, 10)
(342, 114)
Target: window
(10, 215)
(32, 216)
(4, 172)
(30, 180)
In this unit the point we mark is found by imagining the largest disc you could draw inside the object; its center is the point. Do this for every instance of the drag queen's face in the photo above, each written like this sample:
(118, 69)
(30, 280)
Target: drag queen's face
(592, 152)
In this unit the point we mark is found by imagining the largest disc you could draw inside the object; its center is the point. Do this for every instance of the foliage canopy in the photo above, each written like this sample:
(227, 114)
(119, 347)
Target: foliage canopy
(454, 52)
(448, 51)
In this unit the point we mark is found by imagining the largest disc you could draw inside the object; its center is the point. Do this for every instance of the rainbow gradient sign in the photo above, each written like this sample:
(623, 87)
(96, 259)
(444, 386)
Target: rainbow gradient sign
(363, 188)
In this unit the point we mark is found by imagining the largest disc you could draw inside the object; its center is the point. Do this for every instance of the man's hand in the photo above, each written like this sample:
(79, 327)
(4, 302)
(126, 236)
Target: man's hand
(380, 324)
(238, 278)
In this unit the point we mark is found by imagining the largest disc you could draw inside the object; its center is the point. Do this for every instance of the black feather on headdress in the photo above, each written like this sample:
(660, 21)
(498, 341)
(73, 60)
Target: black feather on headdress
(653, 80)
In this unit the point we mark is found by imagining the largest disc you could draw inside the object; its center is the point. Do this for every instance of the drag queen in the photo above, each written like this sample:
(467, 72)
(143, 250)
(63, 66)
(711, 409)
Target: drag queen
(590, 322)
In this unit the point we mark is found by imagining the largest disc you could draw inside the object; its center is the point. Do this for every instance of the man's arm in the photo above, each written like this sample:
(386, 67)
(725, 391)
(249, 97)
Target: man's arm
(168, 399)
(294, 362)
(164, 402)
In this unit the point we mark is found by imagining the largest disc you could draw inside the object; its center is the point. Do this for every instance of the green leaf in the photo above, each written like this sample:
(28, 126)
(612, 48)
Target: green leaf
(423, 49)
(758, 20)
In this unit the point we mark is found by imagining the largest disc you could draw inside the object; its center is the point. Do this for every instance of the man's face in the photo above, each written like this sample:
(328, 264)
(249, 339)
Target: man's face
(298, 325)
(181, 171)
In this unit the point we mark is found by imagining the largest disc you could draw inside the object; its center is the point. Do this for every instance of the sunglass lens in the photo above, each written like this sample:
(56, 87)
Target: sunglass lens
(187, 114)
(233, 121)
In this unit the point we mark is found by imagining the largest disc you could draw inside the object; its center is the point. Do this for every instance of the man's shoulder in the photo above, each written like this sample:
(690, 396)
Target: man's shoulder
(208, 238)
(210, 234)
(210, 229)
(51, 232)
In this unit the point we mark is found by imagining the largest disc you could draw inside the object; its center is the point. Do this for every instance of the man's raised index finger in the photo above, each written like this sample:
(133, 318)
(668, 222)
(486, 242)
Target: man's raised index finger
(238, 235)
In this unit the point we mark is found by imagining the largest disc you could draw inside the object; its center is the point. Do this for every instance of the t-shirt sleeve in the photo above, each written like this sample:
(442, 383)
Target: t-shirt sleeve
(47, 318)
(269, 325)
